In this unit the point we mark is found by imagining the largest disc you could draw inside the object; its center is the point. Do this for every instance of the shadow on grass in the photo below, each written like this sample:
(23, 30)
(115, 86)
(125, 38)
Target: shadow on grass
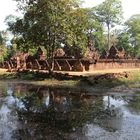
(104, 82)
(81, 83)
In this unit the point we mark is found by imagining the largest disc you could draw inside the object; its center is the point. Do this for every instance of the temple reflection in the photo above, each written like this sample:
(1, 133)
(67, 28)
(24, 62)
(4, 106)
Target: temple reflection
(39, 111)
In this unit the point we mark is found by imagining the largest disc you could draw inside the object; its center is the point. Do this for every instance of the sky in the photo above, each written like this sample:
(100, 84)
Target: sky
(130, 7)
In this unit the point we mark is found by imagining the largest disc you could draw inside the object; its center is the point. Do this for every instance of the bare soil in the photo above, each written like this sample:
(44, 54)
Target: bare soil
(97, 72)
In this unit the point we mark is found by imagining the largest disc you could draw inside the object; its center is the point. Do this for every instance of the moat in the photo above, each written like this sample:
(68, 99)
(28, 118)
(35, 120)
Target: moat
(37, 112)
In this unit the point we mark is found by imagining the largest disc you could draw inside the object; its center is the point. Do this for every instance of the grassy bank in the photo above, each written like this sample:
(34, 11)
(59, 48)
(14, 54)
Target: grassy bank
(76, 81)
(133, 80)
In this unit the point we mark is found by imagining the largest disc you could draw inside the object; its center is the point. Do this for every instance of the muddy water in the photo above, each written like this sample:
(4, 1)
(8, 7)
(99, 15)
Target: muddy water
(41, 113)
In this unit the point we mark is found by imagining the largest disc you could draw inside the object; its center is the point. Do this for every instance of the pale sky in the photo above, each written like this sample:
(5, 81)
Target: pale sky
(130, 7)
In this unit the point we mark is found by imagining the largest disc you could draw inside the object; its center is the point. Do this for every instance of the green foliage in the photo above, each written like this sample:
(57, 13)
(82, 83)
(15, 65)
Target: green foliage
(110, 13)
(3, 48)
(51, 23)
(54, 24)
(123, 41)
(3, 53)
(133, 29)
(95, 30)
(63, 23)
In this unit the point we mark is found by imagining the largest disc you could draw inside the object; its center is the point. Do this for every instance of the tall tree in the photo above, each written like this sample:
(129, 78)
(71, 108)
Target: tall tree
(54, 24)
(110, 13)
(95, 30)
(51, 23)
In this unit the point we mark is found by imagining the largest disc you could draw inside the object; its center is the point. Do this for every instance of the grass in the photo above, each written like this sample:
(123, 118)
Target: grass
(133, 81)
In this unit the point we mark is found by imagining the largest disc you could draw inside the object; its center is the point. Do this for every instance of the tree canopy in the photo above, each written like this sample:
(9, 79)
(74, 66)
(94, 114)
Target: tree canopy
(66, 24)
(133, 30)
(52, 24)
(110, 13)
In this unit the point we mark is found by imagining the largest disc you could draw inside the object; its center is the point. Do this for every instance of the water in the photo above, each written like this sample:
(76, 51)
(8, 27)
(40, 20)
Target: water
(42, 113)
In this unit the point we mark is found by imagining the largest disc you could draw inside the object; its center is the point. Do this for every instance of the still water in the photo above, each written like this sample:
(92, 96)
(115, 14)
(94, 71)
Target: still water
(29, 112)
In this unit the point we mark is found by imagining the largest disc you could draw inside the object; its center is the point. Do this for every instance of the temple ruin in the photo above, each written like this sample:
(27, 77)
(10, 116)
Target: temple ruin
(114, 58)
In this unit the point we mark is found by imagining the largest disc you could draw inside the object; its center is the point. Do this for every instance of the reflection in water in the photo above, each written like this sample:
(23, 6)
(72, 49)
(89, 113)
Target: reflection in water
(28, 112)
(8, 116)
(46, 99)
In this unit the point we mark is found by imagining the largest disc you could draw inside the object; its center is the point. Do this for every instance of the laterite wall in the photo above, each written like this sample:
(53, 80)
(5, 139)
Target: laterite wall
(114, 64)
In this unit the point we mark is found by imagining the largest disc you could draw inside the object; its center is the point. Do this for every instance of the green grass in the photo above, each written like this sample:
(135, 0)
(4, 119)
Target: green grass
(133, 81)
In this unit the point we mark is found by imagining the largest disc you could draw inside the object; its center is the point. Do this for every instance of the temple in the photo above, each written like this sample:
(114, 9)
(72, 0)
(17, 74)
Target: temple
(113, 58)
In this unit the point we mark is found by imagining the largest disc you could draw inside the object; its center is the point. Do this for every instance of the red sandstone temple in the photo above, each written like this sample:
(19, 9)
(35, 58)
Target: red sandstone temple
(112, 59)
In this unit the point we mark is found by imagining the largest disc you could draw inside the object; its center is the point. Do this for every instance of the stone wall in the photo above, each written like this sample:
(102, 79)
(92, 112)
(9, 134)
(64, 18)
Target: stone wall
(115, 64)
(101, 64)
(76, 64)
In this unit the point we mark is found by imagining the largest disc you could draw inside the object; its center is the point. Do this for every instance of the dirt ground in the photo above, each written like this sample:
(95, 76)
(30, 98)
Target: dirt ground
(86, 73)
(3, 71)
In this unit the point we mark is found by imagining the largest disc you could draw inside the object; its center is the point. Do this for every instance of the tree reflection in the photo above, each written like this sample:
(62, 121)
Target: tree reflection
(133, 103)
(58, 110)
(67, 112)
(44, 111)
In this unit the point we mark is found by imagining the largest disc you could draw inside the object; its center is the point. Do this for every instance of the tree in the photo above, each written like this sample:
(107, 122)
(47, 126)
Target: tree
(123, 42)
(54, 24)
(64, 19)
(110, 13)
(46, 22)
(3, 48)
(133, 29)
(95, 30)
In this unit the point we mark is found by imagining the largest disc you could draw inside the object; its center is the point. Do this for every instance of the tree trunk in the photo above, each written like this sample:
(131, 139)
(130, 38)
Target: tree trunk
(52, 53)
(108, 36)
(51, 69)
(50, 58)
(52, 65)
